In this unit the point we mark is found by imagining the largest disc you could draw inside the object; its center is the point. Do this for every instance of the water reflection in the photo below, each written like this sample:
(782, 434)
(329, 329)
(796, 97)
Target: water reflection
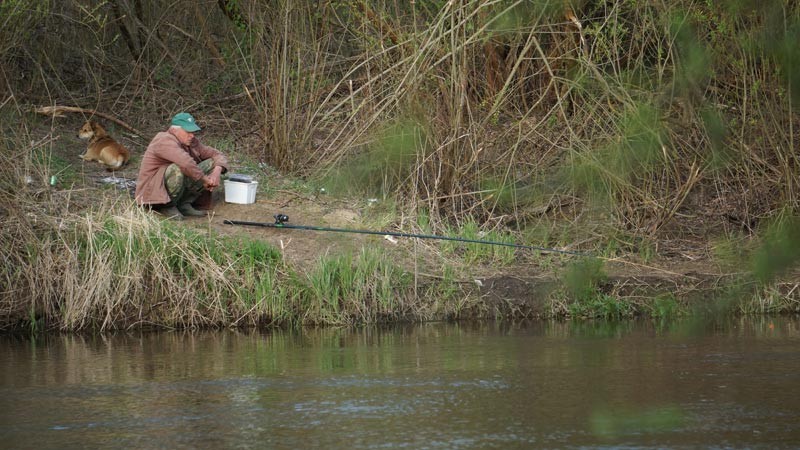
(554, 384)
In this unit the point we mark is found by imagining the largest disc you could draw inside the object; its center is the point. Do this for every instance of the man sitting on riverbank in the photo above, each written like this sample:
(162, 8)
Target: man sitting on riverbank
(178, 172)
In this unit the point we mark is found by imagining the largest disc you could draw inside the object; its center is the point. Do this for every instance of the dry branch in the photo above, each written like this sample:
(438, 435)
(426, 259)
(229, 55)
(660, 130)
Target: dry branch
(58, 111)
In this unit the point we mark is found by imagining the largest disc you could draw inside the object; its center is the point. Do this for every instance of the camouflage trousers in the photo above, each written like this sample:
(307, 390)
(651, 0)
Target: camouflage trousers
(182, 189)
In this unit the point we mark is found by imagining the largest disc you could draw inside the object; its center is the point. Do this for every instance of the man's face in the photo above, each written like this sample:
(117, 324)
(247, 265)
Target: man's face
(185, 137)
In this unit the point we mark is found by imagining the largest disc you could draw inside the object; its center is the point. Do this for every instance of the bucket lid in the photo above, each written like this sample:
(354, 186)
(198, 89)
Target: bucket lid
(240, 178)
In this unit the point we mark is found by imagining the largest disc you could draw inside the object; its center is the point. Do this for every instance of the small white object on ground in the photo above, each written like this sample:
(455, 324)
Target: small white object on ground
(122, 183)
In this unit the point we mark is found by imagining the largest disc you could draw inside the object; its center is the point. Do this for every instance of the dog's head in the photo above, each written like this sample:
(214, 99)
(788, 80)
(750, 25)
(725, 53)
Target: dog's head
(91, 129)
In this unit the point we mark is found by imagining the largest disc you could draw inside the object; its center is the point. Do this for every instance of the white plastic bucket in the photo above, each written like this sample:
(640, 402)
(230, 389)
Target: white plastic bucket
(243, 193)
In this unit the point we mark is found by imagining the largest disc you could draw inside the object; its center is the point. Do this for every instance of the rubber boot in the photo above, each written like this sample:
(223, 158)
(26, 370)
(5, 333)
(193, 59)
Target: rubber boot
(188, 210)
(170, 212)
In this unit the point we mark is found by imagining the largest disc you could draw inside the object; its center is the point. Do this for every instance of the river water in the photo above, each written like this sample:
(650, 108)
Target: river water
(532, 385)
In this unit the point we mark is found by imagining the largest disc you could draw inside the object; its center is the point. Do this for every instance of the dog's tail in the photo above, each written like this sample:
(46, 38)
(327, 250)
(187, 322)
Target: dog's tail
(117, 163)
(115, 158)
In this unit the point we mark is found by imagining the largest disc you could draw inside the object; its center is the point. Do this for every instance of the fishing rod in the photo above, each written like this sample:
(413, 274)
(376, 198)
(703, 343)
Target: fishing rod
(281, 219)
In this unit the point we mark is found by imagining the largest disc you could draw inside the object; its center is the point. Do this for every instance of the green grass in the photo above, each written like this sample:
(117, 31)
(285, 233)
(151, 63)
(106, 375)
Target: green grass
(583, 281)
(52, 165)
(346, 289)
(472, 252)
(666, 307)
(601, 306)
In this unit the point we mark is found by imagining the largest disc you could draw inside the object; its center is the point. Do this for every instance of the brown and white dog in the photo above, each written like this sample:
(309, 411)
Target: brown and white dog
(102, 147)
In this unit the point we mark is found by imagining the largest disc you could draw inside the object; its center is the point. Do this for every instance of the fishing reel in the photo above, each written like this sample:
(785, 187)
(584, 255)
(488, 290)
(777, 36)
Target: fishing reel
(280, 219)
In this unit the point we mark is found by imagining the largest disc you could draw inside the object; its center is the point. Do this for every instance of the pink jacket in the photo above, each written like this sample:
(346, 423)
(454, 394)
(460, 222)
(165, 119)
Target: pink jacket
(164, 150)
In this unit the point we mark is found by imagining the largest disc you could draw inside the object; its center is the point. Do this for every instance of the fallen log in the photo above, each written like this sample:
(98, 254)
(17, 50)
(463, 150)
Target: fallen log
(58, 111)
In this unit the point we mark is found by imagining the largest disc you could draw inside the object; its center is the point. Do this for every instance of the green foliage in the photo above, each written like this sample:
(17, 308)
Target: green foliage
(506, 196)
(717, 133)
(261, 288)
(344, 289)
(779, 250)
(232, 9)
(786, 52)
(606, 38)
(583, 277)
(476, 252)
(445, 292)
(665, 307)
(424, 220)
(255, 254)
(385, 164)
(646, 249)
(601, 306)
(509, 17)
(582, 280)
(499, 192)
(731, 250)
(695, 60)
(17, 21)
(52, 164)
(626, 160)
(164, 73)
(178, 246)
(641, 141)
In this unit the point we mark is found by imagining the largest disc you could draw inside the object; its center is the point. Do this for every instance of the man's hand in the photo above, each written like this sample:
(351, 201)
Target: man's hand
(211, 180)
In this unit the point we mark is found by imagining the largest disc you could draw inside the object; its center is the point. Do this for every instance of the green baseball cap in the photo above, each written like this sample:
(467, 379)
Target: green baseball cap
(185, 121)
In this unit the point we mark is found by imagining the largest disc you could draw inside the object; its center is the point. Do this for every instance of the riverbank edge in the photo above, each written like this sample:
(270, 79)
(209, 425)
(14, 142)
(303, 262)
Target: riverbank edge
(499, 298)
(114, 266)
